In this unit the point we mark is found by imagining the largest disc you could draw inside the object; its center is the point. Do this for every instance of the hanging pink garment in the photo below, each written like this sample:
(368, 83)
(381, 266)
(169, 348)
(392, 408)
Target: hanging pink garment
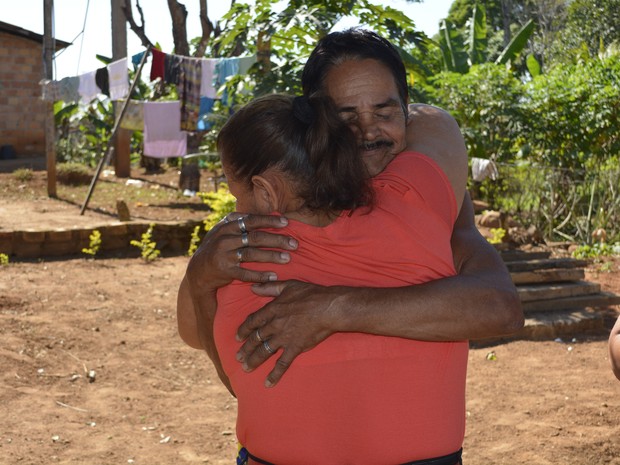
(163, 137)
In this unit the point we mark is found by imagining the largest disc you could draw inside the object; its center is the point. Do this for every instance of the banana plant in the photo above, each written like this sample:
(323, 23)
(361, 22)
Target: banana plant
(459, 55)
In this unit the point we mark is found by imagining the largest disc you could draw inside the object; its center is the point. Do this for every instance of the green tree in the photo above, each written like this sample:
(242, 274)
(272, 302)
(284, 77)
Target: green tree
(591, 26)
(486, 104)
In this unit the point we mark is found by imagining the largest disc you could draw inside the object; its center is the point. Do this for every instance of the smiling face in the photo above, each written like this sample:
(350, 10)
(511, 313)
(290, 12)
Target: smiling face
(367, 98)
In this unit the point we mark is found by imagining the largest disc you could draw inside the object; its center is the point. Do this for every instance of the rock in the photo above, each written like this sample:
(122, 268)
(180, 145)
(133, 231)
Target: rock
(122, 210)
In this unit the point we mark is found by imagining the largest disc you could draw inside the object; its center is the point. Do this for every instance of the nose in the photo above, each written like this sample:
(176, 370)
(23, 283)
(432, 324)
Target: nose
(368, 126)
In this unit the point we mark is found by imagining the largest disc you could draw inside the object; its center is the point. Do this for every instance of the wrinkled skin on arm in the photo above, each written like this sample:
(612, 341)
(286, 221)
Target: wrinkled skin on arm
(614, 348)
(479, 302)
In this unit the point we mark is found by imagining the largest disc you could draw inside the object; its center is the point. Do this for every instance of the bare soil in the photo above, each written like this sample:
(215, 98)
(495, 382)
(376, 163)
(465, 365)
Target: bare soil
(93, 371)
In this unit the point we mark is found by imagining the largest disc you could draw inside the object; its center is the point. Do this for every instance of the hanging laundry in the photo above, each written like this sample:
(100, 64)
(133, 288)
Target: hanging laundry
(482, 168)
(133, 119)
(163, 137)
(66, 89)
(119, 79)
(157, 64)
(88, 88)
(189, 92)
(136, 59)
(102, 79)
(245, 63)
(204, 121)
(226, 67)
(207, 87)
(172, 68)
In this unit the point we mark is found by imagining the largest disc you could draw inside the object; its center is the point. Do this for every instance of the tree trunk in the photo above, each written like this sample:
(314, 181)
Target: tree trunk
(137, 29)
(178, 12)
(506, 9)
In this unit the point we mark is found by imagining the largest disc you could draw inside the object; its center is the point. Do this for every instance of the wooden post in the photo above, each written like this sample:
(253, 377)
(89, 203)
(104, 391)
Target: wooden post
(122, 143)
(48, 73)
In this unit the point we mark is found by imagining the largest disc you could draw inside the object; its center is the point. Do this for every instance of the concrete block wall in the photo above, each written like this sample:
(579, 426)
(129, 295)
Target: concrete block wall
(22, 116)
(172, 238)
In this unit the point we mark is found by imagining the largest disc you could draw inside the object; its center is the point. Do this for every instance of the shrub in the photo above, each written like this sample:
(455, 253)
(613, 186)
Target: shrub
(73, 174)
(23, 174)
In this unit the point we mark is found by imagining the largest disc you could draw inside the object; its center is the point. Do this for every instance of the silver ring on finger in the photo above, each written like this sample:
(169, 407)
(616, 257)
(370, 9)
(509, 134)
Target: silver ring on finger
(244, 239)
(239, 256)
(268, 347)
(242, 227)
(258, 336)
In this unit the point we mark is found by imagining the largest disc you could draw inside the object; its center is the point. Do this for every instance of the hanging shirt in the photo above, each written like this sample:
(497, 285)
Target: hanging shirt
(102, 79)
(245, 63)
(207, 87)
(482, 168)
(189, 92)
(157, 64)
(66, 89)
(88, 88)
(172, 68)
(136, 59)
(119, 79)
(206, 105)
(163, 137)
(226, 67)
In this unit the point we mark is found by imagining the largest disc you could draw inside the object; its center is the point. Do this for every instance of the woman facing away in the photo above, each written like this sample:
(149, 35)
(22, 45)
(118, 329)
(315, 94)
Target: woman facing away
(354, 398)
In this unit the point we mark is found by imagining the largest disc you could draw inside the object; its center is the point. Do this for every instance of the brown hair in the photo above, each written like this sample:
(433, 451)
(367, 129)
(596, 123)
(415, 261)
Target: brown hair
(303, 138)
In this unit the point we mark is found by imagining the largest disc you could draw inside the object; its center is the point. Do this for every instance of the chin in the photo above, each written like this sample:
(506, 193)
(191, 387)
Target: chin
(376, 161)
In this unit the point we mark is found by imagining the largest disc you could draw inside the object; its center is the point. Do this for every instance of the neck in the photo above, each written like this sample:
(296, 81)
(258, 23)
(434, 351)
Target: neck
(318, 219)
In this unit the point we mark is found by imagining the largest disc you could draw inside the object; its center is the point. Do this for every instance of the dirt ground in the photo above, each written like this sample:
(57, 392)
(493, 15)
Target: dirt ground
(95, 373)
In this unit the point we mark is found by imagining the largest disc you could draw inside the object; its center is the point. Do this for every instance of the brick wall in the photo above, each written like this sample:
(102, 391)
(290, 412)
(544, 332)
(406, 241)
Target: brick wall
(22, 116)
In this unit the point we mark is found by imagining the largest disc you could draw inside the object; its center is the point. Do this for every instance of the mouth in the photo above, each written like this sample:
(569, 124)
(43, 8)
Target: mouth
(371, 146)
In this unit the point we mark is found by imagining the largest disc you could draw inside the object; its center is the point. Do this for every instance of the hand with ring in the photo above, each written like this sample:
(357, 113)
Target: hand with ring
(238, 239)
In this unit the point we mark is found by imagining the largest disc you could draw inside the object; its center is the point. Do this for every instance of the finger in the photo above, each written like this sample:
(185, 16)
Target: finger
(253, 349)
(254, 254)
(268, 239)
(253, 222)
(261, 353)
(253, 321)
(269, 289)
(282, 364)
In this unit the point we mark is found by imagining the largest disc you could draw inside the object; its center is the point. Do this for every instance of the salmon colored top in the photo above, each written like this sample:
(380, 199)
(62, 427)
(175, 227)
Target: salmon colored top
(359, 398)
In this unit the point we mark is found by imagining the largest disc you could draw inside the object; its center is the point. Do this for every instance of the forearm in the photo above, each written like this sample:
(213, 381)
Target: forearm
(454, 308)
(196, 310)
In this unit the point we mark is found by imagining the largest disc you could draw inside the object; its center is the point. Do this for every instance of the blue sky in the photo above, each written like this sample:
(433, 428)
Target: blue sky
(71, 16)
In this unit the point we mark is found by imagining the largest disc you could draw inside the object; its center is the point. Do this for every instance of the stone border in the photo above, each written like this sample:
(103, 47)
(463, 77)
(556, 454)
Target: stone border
(172, 238)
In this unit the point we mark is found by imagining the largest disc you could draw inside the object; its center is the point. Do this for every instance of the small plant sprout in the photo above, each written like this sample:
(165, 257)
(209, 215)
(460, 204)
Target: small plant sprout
(497, 234)
(4, 259)
(148, 247)
(94, 244)
(194, 241)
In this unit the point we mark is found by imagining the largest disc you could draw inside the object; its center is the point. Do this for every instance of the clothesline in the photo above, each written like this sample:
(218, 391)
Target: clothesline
(165, 124)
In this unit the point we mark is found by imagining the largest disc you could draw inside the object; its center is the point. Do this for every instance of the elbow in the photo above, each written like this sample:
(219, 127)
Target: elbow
(511, 319)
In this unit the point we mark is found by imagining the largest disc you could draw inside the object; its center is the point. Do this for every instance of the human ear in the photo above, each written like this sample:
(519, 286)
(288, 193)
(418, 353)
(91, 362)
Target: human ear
(265, 194)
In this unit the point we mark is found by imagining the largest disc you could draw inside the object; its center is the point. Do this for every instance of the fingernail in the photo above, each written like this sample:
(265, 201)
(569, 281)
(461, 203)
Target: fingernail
(285, 257)
(268, 383)
(245, 367)
(238, 338)
(239, 357)
(283, 220)
(272, 277)
(292, 243)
